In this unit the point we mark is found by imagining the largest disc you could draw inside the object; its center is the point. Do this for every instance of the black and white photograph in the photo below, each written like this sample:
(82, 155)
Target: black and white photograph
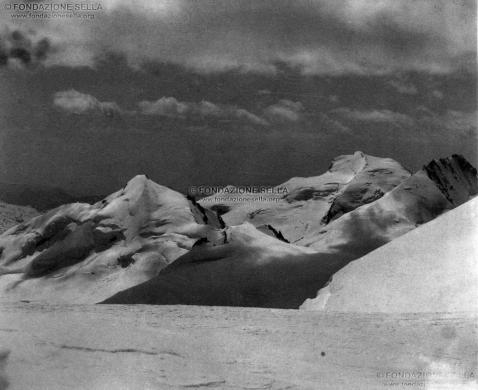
(238, 195)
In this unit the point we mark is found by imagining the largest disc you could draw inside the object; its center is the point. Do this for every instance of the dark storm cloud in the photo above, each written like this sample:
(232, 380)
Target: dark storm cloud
(318, 36)
(42, 48)
(17, 46)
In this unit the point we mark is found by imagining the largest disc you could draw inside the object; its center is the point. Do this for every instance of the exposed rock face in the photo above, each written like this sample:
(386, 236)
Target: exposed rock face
(431, 269)
(454, 176)
(91, 251)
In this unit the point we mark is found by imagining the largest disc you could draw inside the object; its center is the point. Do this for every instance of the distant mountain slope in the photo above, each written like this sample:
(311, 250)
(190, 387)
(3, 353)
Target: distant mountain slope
(11, 215)
(432, 269)
(310, 203)
(83, 253)
(440, 186)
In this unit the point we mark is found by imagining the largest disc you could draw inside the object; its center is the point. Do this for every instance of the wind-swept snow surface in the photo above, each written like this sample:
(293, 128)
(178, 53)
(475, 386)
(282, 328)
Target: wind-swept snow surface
(432, 268)
(101, 347)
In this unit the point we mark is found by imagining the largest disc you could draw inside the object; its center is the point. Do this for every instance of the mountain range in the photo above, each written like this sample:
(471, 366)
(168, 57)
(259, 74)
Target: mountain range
(149, 244)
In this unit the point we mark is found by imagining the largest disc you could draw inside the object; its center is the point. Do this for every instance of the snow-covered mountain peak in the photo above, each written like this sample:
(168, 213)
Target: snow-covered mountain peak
(349, 162)
(141, 188)
(117, 242)
(311, 202)
(137, 183)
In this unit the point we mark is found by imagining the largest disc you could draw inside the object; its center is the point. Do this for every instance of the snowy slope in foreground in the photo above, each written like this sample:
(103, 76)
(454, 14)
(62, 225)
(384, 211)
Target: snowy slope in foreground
(100, 347)
(432, 268)
(250, 269)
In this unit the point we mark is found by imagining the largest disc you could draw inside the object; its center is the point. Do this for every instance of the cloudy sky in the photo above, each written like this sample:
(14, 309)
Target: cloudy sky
(230, 91)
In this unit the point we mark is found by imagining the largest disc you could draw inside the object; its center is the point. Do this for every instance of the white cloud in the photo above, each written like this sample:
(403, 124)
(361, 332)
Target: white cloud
(284, 110)
(166, 106)
(170, 106)
(403, 87)
(246, 115)
(333, 126)
(165, 8)
(372, 115)
(80, 103)
(76, 102)
(333, 99)
(437, 94)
